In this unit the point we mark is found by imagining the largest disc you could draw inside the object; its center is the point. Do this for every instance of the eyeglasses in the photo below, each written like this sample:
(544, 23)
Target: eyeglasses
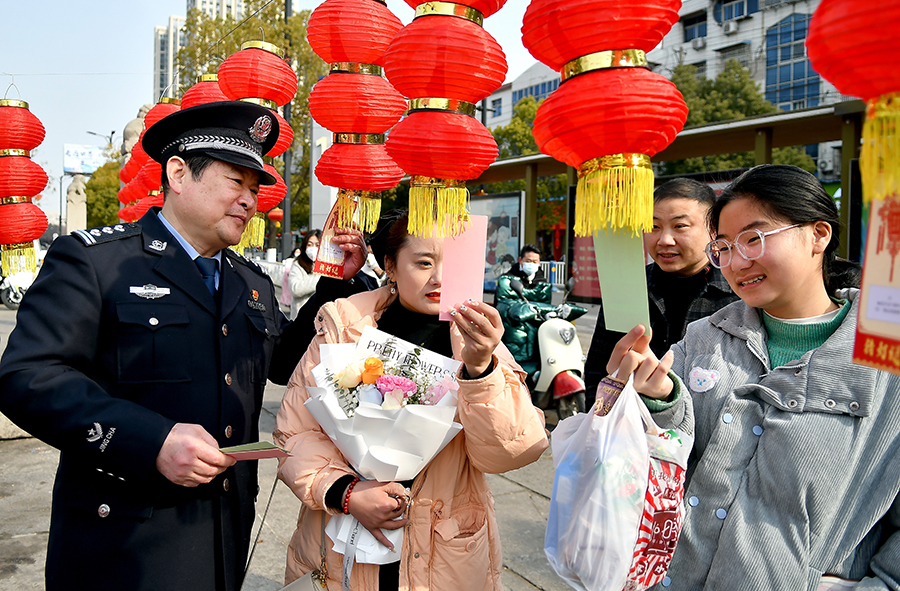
(751, 244)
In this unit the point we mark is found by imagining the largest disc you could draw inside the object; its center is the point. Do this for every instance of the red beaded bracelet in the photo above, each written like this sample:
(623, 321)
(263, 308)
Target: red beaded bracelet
(347, 496)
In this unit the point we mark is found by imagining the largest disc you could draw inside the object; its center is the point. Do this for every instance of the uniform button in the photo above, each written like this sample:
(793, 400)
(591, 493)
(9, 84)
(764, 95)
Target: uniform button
(103, 510)
(854, 406)
(153, 321)
(721, 513)
(228, 432)
(228, 379)
(225, 330)
(470, 547)
(830, 403)
(798, 372)
(727, 418)
(693, 501)
(267, 332)
(792, 404)
(666, 581)
(321, 318)
(416, 555)
(226, 485)
(757, 430)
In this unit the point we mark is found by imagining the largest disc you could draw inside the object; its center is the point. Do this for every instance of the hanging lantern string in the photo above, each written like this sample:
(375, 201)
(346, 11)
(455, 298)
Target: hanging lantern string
(11, 85)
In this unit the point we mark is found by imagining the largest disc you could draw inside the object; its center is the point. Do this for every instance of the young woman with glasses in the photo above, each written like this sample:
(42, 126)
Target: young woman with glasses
(794, 477)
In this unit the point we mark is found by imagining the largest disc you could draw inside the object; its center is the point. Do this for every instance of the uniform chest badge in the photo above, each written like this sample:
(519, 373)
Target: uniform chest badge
(149, 291)
(95, 433)
(255, 304)
(158, 245)
(703, 380)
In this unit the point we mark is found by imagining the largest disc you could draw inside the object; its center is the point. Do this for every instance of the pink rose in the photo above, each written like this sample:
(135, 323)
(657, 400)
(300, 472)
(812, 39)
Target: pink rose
(388, 383)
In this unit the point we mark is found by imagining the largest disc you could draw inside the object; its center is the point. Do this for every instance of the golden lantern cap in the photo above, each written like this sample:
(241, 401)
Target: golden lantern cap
(270, 47)
(208, 78)
(13, 103)
(450, 9)
(604, 60)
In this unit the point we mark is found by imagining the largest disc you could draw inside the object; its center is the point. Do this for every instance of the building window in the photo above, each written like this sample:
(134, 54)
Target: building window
(497, 107)
(694, 26)
(739, 52)
(790, 81)
(700, 70)
(727, 10)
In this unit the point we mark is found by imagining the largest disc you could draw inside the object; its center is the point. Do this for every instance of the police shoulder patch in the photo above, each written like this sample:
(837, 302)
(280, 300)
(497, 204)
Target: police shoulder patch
(103, 234)
(249, 263)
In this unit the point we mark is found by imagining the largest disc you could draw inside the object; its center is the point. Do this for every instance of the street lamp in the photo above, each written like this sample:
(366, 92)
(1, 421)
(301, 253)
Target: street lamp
(108, 138)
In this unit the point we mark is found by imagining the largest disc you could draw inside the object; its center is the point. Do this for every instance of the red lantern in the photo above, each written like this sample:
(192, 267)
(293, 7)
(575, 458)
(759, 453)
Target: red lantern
(166, 106)
(126, 214)
(485, 7)
(258, 70)
(276, 215)
(19, 128)
(362, 167)
(471, 66)
(271, 195)
(559, 31)
(21, 223)
(442, 145)
(19, 175)
(149, 178)
(355, 103)
(351, 31)
(285, 137)
(131, 168)
(854, 46)
(138, 155)
(206, 90)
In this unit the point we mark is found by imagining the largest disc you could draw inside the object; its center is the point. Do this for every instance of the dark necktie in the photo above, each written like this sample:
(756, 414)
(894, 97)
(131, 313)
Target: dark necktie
(208, 268)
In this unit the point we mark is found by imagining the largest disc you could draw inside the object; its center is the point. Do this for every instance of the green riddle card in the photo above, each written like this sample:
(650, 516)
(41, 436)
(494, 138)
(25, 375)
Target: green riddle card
(621, 268)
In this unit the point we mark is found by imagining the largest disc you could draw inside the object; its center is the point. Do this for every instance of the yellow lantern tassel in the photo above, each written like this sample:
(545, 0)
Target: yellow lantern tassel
(367, 202)
(369, 212)
(437, 207)
(17, 257)
(254, 235)
(614, 192)
(345, 208)
(879, 159)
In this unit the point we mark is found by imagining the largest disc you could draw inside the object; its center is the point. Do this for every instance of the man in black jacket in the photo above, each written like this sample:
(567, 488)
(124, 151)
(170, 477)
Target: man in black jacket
(139, 352)
(681, 284)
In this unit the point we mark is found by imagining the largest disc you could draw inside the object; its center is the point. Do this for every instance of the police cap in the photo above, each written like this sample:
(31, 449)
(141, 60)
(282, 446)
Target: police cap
(235, 132)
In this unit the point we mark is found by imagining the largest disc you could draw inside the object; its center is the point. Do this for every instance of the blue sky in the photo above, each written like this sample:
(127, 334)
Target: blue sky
(87, 65)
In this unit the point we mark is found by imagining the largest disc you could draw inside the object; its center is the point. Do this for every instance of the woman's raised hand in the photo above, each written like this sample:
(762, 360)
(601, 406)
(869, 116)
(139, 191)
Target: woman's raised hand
(632, 354)
(377, 505)
(481, 328)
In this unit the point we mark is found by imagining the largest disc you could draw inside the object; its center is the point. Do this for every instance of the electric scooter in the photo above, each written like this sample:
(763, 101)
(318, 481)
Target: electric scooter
(559, 381)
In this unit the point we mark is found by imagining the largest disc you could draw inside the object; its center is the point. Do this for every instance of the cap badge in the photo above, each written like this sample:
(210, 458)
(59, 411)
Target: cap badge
(261, 129)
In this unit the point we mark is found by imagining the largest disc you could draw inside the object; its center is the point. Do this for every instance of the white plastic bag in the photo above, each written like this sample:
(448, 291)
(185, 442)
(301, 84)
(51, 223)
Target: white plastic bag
(600, 530)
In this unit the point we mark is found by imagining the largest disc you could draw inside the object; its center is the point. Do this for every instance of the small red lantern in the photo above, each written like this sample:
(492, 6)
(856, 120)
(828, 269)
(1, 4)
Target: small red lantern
(19, 128)
(276, 215)
(165, 107)
(149, 178)
(20, 175)
(21, 223)
(285, 137)
(271, 195)
(206, 90)
(258, 70)
(351, 31)
(365, 167)
(130, 170)
(138, 155)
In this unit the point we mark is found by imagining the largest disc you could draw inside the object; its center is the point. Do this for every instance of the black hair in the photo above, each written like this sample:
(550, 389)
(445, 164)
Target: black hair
(196, 163)
(529, 248)
(797, 196)
(685, 189)
(303, 260)
(378, 239)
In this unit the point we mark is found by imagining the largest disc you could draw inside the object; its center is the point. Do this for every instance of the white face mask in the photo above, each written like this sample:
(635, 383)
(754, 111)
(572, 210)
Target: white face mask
(311, 252)
(530, 268)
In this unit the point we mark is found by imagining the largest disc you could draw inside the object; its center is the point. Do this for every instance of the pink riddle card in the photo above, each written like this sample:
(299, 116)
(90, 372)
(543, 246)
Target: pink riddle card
(463, 267)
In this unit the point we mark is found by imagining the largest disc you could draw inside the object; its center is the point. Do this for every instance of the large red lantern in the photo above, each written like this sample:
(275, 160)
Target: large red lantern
(206, 90)
(19, 128)
(352, 103)
(610, 114)
(20, 175)
(271, 195)
(462, 64)
(854, 46)
(165, 107)
(258, 70)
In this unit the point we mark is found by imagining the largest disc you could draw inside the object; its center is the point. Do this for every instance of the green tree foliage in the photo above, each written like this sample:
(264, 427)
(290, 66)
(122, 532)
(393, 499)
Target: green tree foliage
(733, 94)
(210, 41)
(516, 139)
(102, 195)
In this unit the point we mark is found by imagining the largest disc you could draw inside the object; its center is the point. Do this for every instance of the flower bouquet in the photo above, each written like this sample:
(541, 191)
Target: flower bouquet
(389, 407)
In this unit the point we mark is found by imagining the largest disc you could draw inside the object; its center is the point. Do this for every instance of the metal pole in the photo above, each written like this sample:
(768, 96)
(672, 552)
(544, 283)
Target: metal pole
(287, 237)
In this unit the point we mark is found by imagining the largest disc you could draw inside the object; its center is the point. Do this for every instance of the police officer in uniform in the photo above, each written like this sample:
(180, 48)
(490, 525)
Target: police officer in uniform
(139, 352)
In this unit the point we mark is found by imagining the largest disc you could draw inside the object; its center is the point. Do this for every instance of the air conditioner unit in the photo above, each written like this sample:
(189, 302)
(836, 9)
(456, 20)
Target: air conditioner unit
(731, 27)
(825, 165)
(698, 42)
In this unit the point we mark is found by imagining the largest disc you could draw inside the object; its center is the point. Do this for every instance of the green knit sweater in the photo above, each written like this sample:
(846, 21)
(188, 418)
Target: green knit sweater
(788, 341)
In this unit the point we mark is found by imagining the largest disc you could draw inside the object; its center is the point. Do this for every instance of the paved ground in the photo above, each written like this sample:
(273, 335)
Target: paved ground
(27, 468)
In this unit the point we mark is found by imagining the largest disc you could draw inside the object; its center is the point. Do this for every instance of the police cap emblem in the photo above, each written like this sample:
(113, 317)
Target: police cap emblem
(261, 129)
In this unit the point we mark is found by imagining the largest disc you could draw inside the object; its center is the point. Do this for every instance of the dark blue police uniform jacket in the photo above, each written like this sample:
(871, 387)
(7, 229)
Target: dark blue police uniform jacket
(117, 341)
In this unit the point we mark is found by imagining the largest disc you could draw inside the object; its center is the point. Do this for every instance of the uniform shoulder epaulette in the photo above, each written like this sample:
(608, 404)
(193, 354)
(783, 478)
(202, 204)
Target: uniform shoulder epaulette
(103, 234)
(250, 263)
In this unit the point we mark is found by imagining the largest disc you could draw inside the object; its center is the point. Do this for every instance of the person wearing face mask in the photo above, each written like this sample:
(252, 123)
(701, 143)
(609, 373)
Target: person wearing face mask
(520, 335)
(301, 280)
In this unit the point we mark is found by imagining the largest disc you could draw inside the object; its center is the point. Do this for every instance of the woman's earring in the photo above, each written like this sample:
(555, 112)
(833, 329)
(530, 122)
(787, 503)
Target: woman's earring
(393, 286)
